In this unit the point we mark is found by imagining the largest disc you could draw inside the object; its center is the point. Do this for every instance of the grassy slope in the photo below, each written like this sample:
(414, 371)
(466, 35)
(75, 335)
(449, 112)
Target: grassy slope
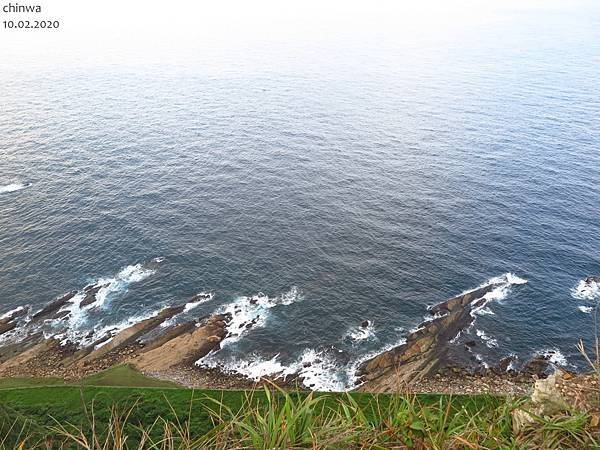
(40, 399)
(123, 376)
(45, 400)
(42, 403)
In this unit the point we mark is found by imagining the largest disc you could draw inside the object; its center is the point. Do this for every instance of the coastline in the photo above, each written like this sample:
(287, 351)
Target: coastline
(429, 361)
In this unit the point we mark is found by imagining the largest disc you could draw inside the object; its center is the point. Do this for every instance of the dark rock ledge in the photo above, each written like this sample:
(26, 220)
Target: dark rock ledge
(429, 353)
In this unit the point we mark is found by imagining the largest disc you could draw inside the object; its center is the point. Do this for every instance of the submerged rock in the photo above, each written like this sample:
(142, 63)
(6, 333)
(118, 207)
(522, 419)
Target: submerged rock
(52, 308)
(9, 322)
(90, 294)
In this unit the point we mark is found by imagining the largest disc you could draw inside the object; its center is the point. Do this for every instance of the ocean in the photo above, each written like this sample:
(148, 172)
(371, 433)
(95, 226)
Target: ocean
(358, 180)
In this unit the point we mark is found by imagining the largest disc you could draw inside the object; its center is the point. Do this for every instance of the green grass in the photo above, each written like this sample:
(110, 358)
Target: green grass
(123, 375)
(74, 407)
(103, 409)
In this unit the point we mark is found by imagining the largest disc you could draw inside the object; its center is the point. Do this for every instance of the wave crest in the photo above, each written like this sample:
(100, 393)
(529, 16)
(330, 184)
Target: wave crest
(13, 187)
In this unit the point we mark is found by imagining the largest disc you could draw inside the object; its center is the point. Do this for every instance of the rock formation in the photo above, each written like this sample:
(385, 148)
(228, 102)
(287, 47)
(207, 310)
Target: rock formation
(187, 347)
(52, 308)
(90, 294)
(9, 322)
(426, 349)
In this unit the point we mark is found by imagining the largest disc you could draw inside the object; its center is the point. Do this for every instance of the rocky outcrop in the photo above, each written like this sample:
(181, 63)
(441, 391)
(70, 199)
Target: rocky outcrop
(35, 352)
(9, 322)
(50, 310)
(144, 343)
(426, 349)
(560, 394)
(186, 348)
(90, 294)
(131, 334)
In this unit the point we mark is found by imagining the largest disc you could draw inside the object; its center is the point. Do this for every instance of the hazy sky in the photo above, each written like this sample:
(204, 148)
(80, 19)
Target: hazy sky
(111, 31)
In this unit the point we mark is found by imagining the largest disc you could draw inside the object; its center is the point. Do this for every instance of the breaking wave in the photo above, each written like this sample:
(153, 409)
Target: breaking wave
(119, 284)
(204, 297)
(318, 370)
(12, 311)
(13, 187)
(586, 290)
(503, 284)
(362, 332)
(113, 287)
(248, 312)
(555, 356)
(489, 341)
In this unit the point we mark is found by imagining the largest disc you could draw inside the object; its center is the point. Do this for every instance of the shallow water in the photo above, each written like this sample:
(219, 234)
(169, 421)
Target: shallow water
(363, 184)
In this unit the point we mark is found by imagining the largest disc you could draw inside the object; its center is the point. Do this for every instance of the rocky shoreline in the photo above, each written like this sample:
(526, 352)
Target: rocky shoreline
(429, 361)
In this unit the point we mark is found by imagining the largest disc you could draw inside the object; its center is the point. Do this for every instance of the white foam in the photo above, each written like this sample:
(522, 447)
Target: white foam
(361, 333)
(586, 291)
(12, 312)
(206, 297)
(511, 278)
(513, 364)
(501, 290)
(480, 359)
(13, 187)
(85, 337)
(489, 341)
(254, 368)
(320, 372)
(77, 330)
(555, 356)
(120, 282)
(252, 312)
(507, 278)
(586, 309)
(485, 311)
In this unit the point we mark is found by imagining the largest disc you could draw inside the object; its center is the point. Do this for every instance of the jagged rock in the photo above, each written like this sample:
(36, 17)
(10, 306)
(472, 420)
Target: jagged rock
(15, 315)
(185, 348)
(200, 297)
(9, 322)
(131, 334)
(6, 327)
(503, 365)
(90, 294)
(539, 366)
(426, 349)
(53, 307)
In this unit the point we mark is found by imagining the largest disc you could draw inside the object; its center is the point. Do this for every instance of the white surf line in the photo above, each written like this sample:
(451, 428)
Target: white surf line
(251, 312)
(118, 285)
